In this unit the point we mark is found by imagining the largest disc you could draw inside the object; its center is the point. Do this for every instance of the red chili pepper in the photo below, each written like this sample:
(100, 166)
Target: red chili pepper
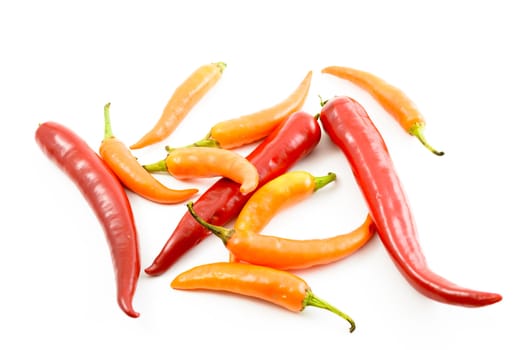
(350, 128)
(293, 139)
(106, 196)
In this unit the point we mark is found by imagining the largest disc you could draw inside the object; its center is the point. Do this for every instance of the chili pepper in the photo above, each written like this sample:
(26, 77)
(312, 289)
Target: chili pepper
(249, 128)
(288, 254)
(137, 179)
(278, 287)
(351, 130)
(277, 194)
(191, 162)
(107, 198)
(391, 98)
(292, 140)
(184, 98)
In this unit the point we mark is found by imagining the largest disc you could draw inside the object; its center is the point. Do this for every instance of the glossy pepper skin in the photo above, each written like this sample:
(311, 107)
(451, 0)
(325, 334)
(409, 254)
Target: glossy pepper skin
(391, 98)
(133, 176)
(289, 254)
(276, 195)
(292, 140)
(201, 162)
(249, 128)
(281, 192)
(350, 128)
(275, 286)
(183, 100)
(107, 198)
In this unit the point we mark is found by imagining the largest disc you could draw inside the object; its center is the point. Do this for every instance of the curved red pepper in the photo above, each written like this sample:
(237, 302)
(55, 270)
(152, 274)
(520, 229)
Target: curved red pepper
(106, 196)
(350, 128)
(292, 140)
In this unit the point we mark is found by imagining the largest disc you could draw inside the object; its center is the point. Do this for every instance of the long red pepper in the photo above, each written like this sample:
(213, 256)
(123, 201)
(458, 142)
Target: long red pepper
(350, 128)
(293, 139)
(106, 196)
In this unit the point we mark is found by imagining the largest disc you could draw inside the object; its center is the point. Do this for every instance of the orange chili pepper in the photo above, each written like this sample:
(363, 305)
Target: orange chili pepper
(277, 194)
(391, 98)
(284, 253)
(278, 287)
(253, 127)
(121, 161)
(184, 98)
(193, 162)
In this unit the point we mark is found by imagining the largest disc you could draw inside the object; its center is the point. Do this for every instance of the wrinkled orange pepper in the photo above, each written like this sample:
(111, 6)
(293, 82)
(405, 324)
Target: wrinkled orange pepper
(391, 98)
(249, 128)
(184, 98)
(123, 163)
(197, 162)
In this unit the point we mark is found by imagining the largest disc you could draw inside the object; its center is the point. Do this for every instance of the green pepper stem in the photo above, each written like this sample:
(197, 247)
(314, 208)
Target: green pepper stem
(417, 130)
(159, 166)
(221, 65)
(321, 181)
(108, 133)
(313, 300)
(322, 101)
(206, 142)
(222, 232)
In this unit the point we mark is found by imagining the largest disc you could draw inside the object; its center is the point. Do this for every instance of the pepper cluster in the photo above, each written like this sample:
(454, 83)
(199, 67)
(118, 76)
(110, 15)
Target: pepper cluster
(251, 190)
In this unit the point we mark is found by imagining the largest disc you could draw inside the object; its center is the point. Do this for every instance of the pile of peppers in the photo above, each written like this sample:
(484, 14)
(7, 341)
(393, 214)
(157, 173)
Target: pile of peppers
(251, 190)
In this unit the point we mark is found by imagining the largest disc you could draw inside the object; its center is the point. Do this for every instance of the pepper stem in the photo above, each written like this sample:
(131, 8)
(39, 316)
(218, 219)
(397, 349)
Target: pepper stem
(159, 166)
(222, 232)
(417, 130)
(322, 101)
(221, 66)
(206, 142)
(313, 300)
(108, 133)
(321, 181)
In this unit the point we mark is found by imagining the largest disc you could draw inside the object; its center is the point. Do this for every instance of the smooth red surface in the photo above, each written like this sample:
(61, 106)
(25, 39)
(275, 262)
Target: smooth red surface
(106, 196)
(350, 128)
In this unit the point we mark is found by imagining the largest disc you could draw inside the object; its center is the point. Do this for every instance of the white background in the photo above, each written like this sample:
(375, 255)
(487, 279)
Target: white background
(462, 62)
